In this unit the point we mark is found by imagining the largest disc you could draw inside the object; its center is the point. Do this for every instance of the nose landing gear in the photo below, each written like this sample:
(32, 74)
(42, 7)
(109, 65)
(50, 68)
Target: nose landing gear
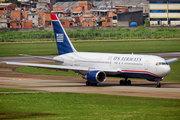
(158, 82)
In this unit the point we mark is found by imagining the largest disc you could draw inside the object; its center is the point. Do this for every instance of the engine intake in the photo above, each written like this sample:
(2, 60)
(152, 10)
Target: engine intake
(95, 76)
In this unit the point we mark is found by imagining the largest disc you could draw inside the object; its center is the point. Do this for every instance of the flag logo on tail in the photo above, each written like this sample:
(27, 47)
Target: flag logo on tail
(60, 37)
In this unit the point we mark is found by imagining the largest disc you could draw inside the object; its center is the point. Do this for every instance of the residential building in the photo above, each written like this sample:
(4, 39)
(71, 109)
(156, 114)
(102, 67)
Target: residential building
(16, 15)
(164, 12)
(81, 13)
(79, 6)
(3, 23)
(25, 5)
(47, 19)
(88, 23)
(121, 9)
(45, 4)
(27, 24)
(15, 24)
(67, 23)
(6, 8)
(34, 18)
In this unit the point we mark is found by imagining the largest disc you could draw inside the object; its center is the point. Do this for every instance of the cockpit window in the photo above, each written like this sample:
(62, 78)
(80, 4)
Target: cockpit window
(161, 63)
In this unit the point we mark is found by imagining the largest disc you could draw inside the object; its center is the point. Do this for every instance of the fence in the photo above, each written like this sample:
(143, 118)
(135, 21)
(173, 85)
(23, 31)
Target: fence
(90, 36)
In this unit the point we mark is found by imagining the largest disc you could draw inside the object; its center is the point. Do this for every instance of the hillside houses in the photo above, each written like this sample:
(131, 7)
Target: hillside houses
(36, 13)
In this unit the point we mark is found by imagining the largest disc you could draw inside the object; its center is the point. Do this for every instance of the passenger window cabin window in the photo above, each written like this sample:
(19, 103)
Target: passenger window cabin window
(161, 63)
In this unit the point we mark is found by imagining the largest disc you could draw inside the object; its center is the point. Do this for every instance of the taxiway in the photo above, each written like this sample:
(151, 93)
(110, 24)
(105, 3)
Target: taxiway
(49, 83)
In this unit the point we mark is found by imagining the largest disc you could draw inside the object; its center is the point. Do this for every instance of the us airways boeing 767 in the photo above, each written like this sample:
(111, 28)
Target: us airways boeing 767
(94, 67)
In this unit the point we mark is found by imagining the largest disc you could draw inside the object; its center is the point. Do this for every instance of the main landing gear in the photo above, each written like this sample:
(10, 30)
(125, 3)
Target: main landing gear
(125, 82)
(90, 84)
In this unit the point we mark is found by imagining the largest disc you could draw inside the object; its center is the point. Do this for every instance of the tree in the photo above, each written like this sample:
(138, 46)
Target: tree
(147, 23)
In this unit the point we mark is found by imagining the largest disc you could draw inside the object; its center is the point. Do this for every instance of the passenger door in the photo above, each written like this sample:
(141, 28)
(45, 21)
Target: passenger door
(146, 64)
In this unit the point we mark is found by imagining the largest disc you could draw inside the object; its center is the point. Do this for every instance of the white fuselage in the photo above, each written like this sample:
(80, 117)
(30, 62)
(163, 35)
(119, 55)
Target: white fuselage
(129, 65)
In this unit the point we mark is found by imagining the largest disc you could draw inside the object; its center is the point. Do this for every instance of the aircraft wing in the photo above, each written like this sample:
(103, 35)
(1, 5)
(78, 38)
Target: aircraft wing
(171, 60)
(60, 67)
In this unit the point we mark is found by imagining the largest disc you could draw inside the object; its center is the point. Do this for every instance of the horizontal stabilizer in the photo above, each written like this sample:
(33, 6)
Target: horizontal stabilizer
(46, 58)
(171, 60)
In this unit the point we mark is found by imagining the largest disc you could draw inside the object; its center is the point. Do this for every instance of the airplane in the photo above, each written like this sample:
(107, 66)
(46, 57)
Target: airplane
(95, 67)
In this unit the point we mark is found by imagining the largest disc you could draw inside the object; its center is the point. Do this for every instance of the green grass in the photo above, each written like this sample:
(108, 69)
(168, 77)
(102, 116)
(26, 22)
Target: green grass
(75, 106)
(130, 46)
(14, 49)
(91, 34)
(14, 90)
(174, 75)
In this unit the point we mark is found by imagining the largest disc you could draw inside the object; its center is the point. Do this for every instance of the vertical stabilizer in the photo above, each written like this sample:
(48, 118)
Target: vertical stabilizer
(63, 42)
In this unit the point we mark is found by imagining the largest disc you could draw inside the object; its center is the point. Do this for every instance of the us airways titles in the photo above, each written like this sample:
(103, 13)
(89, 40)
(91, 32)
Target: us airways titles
(135, 59)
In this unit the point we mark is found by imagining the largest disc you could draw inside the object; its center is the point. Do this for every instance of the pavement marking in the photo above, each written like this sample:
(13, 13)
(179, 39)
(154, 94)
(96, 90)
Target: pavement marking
(23, 79)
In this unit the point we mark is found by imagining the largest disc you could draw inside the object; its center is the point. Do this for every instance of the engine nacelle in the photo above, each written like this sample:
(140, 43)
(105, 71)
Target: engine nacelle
(95, 76)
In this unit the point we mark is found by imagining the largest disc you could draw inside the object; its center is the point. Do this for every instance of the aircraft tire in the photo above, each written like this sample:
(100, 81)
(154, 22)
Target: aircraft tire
(129, 82)
(88, 83)
(121, 82)
(94, 84)
(158, 85)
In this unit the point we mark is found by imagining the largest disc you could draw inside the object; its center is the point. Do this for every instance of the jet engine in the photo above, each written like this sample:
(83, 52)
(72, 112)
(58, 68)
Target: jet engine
(95, 76)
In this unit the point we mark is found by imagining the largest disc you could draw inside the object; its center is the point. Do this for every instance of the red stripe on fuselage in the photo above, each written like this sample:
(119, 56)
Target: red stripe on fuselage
(133, 71)
(53, 17)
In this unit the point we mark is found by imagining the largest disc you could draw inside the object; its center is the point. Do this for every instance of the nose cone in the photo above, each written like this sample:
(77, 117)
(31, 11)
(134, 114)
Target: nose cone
(166, 70)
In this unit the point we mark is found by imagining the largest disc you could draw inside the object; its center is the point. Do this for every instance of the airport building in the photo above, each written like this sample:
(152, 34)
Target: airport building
(164, 12)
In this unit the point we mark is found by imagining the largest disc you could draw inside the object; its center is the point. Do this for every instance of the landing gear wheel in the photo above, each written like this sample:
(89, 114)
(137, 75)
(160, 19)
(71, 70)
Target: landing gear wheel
(125, 82)
(94, 84)
(88, 83)
(158, 85)
(121, 82)
(129, 82)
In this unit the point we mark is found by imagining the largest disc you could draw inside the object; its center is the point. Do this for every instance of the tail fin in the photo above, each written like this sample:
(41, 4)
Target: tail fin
(63, 42)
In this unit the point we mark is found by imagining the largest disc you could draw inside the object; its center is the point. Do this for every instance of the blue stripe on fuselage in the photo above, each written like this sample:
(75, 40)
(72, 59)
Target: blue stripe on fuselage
(135, 75)
(64, 45)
